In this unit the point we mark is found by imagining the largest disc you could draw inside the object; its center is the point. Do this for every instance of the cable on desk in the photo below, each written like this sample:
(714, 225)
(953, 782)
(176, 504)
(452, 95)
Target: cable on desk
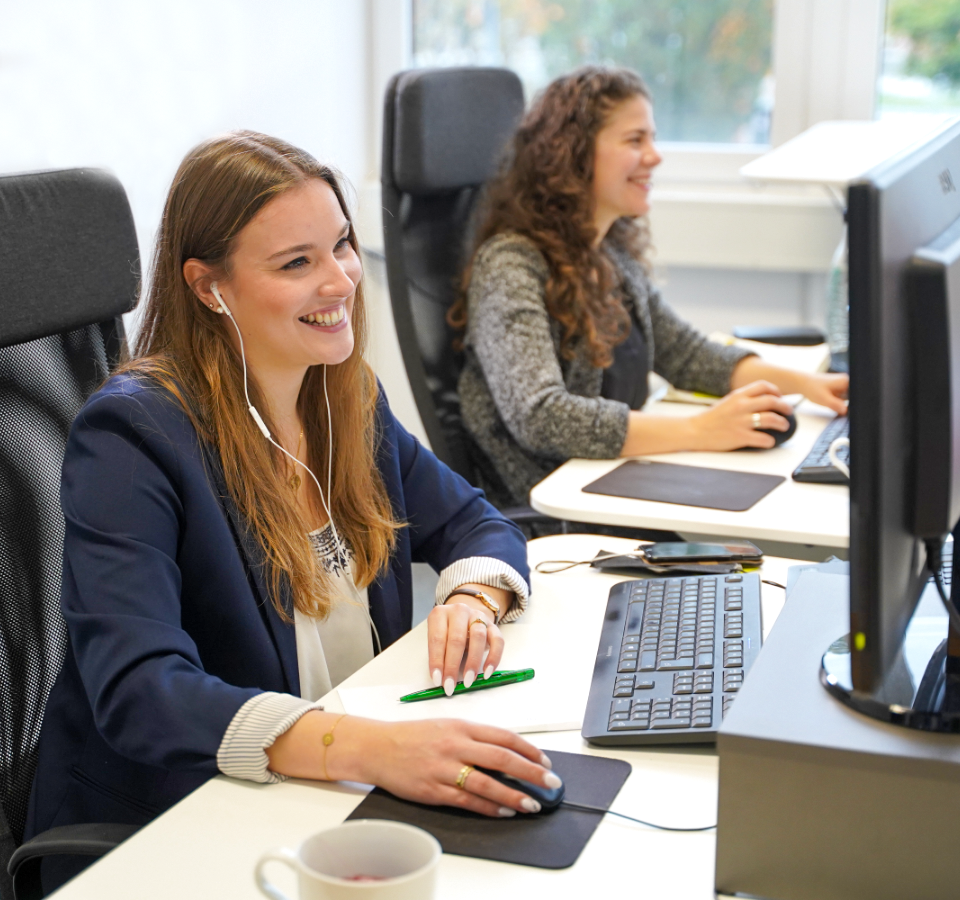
(553, 566)
(610, 812)
(773, 584)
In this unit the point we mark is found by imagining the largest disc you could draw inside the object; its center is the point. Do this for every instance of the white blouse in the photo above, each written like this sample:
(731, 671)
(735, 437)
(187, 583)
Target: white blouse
(330, 650)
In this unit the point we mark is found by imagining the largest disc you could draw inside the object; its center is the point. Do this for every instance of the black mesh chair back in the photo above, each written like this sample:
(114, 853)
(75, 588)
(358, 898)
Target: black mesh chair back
(69, 267)
(443, 134)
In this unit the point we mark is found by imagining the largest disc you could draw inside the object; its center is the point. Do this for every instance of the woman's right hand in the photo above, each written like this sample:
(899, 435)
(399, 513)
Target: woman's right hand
(730, 424)
(422, 761)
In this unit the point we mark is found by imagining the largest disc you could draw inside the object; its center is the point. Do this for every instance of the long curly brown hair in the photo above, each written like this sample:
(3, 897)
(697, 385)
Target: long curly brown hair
(543, 191)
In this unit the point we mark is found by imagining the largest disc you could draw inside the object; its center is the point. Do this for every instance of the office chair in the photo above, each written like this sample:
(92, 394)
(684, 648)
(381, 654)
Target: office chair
(443, 133)
(69, 267)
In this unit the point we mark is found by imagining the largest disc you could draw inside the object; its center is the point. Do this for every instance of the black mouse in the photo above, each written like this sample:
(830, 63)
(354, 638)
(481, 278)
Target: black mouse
(780, 437)
(548, 798)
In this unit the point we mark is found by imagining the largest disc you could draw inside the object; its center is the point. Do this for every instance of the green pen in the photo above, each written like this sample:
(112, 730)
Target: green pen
(481, 684)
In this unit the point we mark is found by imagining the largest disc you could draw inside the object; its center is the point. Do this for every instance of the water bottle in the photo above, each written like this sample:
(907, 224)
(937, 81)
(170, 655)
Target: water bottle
(838, 306)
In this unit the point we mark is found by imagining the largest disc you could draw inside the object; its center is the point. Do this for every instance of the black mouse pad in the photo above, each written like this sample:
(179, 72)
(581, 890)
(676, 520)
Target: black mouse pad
(548, 840)
(642, 479)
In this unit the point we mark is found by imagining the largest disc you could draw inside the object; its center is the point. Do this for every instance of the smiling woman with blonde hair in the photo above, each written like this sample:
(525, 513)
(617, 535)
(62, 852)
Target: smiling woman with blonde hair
(562, 323)
(242, 510)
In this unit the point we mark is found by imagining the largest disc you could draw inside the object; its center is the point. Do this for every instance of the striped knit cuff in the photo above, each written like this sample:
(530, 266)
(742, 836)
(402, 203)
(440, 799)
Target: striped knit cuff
(489, 571)
(256, 725)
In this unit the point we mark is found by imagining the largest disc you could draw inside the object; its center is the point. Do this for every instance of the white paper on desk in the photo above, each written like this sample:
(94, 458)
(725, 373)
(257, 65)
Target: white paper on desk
(525, 707)
(553, 700)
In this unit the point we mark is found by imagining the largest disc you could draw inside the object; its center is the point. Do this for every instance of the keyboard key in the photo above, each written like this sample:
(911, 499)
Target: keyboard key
(704, 660)
(648, 661)
(668, 665)
(627, 665)
(670, 723)
(645, 685)
(702, 722)
(628, 725)
(619, 706)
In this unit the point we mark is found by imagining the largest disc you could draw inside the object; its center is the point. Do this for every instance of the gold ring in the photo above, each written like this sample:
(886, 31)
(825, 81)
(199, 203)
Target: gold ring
(479, 622)
(464, 775)
(756, 420)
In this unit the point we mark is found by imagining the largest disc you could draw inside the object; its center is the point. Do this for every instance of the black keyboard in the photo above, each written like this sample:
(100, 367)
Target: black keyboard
(817, 466)
(673, 654)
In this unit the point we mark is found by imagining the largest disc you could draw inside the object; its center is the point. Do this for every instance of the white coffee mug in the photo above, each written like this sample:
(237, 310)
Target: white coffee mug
(399, 860)
(834, 459)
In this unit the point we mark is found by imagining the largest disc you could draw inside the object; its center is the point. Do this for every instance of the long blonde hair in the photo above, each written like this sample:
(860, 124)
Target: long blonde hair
(220, 186)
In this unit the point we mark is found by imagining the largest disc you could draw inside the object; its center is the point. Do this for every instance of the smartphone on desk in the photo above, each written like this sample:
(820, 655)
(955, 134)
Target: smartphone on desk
(685, 551)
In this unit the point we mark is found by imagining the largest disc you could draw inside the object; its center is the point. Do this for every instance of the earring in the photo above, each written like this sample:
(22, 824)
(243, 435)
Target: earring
(218, 309)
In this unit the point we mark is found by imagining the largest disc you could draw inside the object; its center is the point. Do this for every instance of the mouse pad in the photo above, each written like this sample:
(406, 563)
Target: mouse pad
(548, 840)
(642, 479)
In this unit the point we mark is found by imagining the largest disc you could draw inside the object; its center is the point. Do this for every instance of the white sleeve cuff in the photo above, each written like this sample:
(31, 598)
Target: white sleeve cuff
(489, 571)
(256, 725)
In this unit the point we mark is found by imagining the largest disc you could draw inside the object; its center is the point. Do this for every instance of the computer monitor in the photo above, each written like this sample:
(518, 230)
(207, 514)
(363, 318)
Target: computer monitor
(904, 281)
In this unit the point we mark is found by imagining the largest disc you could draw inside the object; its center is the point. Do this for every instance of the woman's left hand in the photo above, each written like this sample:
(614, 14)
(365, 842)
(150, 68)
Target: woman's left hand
(827, 389)
(461, 626)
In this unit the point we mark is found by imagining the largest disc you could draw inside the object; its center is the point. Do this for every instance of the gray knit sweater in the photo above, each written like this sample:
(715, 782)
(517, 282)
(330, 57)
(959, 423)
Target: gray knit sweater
(528, 409)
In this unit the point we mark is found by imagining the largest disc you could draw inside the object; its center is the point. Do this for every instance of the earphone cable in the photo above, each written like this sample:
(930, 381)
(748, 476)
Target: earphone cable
(323, 500)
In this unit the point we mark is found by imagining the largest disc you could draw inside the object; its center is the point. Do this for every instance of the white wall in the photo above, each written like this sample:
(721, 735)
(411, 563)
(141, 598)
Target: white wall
(719, 299)
(131, 85)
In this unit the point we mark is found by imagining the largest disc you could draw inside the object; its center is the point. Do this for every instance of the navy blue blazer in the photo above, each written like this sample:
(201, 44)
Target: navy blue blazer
(171, 627)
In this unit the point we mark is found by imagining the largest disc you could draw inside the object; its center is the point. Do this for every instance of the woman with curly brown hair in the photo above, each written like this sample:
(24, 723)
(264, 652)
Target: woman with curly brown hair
(562, 322)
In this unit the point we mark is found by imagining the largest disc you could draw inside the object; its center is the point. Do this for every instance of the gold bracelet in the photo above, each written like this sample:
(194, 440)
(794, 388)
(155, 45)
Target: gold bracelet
(327, 741)
(483, 597)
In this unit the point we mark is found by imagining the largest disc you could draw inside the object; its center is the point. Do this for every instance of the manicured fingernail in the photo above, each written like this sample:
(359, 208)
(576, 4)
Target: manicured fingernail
(468, 678)
(551, 780)
(506, 812)
(545, 761)
(488, 671)
(530, 805)
(437, 678)
(448, 687)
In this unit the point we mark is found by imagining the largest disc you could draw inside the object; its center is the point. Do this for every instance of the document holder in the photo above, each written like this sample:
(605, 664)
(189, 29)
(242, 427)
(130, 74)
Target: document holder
(642, 479)
(547, 840)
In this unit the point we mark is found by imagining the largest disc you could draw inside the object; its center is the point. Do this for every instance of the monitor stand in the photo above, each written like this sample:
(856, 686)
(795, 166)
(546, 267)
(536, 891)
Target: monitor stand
(922, 688)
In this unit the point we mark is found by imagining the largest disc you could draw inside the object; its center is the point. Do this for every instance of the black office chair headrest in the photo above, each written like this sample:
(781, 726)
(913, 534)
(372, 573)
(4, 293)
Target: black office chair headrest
(68, 252)
(451, 126)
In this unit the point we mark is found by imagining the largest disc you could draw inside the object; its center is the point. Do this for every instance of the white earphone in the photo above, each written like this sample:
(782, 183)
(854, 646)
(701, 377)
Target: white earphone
(266, 433)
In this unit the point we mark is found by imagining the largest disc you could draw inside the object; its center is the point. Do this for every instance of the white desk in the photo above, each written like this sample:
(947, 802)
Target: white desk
(206, 846)
(792, 513)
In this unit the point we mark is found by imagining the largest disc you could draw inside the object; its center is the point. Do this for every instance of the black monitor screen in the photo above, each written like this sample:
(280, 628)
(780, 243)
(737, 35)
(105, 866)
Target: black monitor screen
(897, 209)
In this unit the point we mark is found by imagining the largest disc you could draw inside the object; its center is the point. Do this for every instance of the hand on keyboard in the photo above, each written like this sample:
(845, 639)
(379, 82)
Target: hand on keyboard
(827, 389)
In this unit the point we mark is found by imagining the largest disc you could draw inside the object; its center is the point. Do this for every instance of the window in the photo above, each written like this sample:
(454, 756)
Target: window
(921, 58)
(708, 65)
